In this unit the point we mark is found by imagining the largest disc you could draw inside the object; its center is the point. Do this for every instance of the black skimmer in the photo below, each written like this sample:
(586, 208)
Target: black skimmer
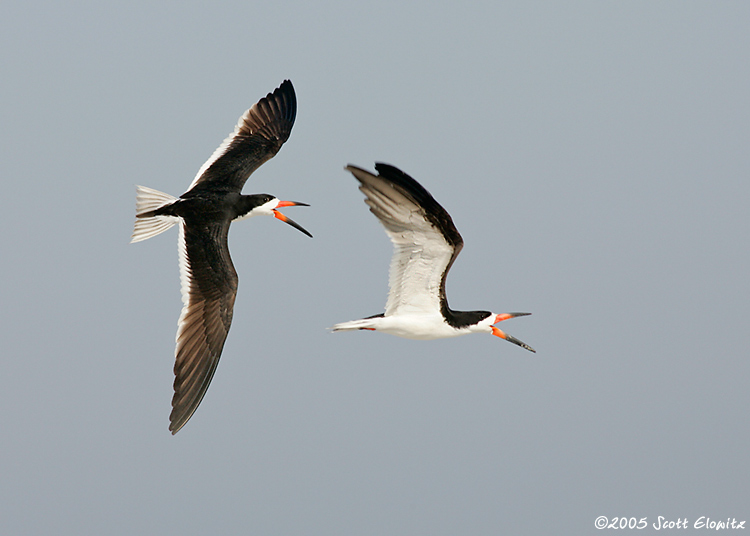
(213, 201)
(425, 245)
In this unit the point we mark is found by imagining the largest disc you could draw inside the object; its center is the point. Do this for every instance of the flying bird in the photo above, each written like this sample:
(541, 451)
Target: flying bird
(425, 245)
(207, 276)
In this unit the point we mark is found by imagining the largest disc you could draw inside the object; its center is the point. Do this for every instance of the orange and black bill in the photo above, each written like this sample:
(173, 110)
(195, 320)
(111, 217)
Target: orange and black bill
(288, 220)
(500, 333)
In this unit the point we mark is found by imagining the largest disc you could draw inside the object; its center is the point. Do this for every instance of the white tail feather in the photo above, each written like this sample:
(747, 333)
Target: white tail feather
(147, 200)
(365, 323)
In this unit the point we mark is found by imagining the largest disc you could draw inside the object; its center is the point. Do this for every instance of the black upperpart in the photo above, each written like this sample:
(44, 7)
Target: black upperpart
(249, 202)
(209, 280)
(213, 207)
(461, 319)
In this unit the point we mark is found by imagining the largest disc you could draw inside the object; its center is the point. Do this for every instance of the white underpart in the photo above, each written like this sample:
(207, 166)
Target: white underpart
(415, 326)
(221, 149)
(146, 200)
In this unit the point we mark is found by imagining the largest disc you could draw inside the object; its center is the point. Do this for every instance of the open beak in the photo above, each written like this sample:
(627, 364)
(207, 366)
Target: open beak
(290, 221)
(506, 316)
(500, 333)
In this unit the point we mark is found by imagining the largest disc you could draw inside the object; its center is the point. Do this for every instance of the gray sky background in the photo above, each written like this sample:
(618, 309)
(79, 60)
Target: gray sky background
(594, 156)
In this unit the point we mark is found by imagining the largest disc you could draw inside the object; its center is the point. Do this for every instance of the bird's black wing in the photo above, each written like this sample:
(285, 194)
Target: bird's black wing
(258, 136)
(425, 241)
(209, 287)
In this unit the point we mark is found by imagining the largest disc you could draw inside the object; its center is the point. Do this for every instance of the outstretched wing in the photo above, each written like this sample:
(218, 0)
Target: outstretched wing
(209, 287)
(425, 240)
(258, 136)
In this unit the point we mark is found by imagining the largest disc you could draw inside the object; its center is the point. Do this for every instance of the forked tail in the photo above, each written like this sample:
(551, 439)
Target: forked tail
(146, 224)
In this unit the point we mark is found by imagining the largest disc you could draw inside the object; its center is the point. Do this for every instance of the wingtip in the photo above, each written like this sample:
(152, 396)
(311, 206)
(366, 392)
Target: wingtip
(285, 87)
(176, 424)
(361, 174)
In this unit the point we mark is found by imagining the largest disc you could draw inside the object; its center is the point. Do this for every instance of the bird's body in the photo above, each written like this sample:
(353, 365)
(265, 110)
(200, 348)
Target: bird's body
(204, 214)
(418, 326)
(426, 243)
